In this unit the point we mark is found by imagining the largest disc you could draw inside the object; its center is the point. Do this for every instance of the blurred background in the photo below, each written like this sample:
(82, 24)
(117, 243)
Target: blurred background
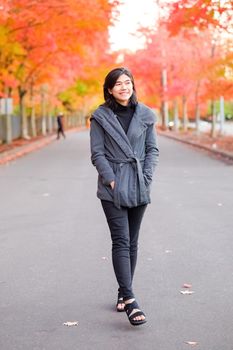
(54, 57)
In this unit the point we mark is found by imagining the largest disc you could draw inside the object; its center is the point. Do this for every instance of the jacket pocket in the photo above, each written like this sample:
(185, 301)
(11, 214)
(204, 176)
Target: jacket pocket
(109, 190)
(125, 190)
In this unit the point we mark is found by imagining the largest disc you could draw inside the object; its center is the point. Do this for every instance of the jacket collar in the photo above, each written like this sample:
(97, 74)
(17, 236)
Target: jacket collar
(110, 123)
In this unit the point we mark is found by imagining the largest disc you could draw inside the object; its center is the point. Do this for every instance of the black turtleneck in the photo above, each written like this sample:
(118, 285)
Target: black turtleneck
(124, 115)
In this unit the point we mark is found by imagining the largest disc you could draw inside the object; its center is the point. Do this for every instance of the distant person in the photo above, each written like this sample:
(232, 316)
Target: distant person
(60, 126)
(124, 151)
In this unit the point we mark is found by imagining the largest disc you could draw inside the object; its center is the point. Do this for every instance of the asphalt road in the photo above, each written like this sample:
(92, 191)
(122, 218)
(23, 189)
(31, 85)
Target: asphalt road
(55, 254)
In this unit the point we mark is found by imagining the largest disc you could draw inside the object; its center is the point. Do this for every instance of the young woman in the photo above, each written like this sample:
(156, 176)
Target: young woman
(124, 152)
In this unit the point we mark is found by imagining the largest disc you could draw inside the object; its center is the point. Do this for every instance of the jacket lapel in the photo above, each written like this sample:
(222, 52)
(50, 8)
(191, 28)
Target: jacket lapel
(108, 120)
(136, 127)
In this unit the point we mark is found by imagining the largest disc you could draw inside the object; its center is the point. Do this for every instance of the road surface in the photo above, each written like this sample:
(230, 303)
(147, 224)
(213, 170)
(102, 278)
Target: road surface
(55, 254)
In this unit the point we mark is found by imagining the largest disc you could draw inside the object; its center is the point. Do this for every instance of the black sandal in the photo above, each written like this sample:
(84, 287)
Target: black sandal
(129, 309)
(120, 301)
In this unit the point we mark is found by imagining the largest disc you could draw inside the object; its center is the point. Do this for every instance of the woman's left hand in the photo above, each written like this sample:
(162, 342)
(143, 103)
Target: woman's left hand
(112, 184)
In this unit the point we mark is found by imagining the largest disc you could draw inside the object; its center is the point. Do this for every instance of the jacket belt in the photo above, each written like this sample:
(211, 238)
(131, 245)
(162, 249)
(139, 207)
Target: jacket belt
(138, 169)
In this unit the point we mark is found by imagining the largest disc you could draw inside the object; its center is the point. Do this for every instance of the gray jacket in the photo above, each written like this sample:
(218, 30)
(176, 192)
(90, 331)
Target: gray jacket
(128, 159)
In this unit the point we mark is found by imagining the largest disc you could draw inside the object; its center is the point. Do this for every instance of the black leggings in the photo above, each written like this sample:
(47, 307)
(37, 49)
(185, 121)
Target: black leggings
(124, 225)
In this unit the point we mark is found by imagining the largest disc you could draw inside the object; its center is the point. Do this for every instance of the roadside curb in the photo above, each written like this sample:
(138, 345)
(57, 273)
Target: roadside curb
(20, 151)
(216, 152)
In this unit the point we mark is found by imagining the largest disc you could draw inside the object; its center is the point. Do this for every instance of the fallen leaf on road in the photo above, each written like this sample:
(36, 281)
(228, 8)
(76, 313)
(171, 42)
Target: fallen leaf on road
(187, 292)
(186, 285)
(193, 343)
(70, 323)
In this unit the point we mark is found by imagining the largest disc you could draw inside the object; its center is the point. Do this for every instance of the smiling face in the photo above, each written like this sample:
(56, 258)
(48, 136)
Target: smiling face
(122, 90)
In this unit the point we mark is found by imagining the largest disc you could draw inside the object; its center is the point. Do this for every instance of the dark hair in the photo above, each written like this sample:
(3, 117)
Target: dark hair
(109, 83)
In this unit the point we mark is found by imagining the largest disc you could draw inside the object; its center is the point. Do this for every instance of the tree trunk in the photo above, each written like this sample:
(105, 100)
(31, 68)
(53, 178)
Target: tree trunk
(23, 116)
(176, 115)
(197, 118)
(33, 116)
(214, 119)
(43, 111)
(197, 108)
(185, 117)
(164, 104)
(8, 119)
(213, 107)
(50, 119)
(222, 116)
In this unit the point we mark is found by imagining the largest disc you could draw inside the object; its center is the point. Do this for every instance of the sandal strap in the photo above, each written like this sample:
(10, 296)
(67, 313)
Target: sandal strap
(132, 315)
(135, 314)
(129, 307)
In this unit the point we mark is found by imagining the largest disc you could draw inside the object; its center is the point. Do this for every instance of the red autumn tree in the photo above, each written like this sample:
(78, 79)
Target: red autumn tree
(56, 38)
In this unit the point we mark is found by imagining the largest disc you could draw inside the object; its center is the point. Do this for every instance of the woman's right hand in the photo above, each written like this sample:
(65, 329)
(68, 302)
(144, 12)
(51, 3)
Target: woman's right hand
(112, 184)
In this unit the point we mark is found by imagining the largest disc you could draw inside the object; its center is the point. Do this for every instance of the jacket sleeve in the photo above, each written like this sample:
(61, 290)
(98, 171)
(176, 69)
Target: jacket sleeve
(152, 154)
(98, 153)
